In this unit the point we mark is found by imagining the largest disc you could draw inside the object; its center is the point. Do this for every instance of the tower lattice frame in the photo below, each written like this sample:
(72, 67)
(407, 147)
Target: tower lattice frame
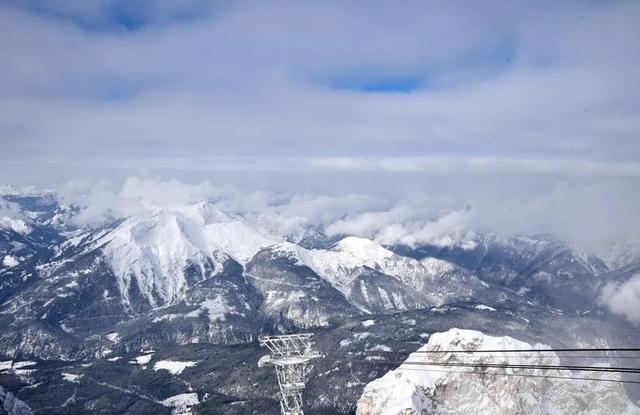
(289, 354)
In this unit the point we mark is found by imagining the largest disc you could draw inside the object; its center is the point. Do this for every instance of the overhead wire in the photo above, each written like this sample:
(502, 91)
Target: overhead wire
(522, 375)
(528, 350)
(520, 366)
(528, 356)
(520, 353)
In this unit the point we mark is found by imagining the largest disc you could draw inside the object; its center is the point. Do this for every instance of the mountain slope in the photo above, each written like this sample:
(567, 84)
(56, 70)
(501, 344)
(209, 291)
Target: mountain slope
(542, 269)
(409, 390)
(150, 255)
(375, 279)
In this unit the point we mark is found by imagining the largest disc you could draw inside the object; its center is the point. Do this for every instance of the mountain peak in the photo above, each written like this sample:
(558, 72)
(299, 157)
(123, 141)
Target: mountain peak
(362, 248)
(155, 249)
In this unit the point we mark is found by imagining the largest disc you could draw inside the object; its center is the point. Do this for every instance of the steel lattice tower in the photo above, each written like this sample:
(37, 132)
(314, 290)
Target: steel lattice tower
(289, 354)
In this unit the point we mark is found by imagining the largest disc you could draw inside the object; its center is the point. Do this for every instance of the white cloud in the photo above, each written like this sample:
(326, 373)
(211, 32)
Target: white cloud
(105, 201)
(410, 225)
(623, 299)
(588, 215)
(507, 88)
(481, 165)
(281, 213)
(9, 209)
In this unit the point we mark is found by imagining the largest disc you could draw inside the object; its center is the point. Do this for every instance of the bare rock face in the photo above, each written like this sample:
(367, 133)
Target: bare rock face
(422, 389)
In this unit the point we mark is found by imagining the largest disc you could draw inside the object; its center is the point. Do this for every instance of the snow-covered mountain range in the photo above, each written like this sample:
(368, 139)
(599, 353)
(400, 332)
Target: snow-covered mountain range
(192, 274)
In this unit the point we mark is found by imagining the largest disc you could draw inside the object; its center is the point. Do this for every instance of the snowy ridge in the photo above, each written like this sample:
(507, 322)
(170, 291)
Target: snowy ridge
(446, 392)
(340, 264)
(154, 251)
(620, 254)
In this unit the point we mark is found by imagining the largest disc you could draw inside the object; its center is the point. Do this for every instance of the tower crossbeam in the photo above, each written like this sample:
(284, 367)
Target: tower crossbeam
(289, 354)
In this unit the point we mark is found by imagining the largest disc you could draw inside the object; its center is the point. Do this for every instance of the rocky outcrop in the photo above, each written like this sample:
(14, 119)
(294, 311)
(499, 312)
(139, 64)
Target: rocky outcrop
(414, 389)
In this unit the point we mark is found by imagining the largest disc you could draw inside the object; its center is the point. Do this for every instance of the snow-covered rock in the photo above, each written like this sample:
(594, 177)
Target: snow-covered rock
(340, 264)
(151, 253)
(10, 261)
(143, 359)
(71, 377)
(181, 403)
(374, 279)
(172, 366)
(421, 390)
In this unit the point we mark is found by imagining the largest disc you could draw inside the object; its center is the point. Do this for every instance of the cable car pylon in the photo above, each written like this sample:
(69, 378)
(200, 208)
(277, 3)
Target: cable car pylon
(289, 354)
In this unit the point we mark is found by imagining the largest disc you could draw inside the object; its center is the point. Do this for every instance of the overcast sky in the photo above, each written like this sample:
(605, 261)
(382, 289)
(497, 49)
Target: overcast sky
(536, 100)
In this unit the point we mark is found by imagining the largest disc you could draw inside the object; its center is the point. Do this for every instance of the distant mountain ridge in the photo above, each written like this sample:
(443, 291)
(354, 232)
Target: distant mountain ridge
(86, 306)
(195, 273)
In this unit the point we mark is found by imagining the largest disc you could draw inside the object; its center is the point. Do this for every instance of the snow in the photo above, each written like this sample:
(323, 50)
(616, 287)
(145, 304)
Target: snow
(484, 307)
(27, 363)
(237, 239)
(155, 249)
(437, 267)
(338, 263)
(407, 390)
(72, 284)
(167, 317)
(216, 308)
(152, 251)
(617, 254)
(112, 336)
(361, 336)
(143, 359)
(5, 365)
(380, 348)
(385, 298)
(182, 403)
(64, 295)
(192, 314)
(24, 373)
(345, 342)
(174, 367)
(368, 323)
(114, 359)
(364, 291)
(10, 261)
(70, 377)
(398, 301)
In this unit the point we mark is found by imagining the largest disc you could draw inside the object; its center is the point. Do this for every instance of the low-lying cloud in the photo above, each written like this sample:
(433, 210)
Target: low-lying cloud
(623, 299)
(590, 216)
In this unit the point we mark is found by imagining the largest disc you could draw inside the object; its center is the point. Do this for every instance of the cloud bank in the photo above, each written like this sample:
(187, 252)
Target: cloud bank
(591, 217)
(623, 299)
(194, 88)
(424, 122)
